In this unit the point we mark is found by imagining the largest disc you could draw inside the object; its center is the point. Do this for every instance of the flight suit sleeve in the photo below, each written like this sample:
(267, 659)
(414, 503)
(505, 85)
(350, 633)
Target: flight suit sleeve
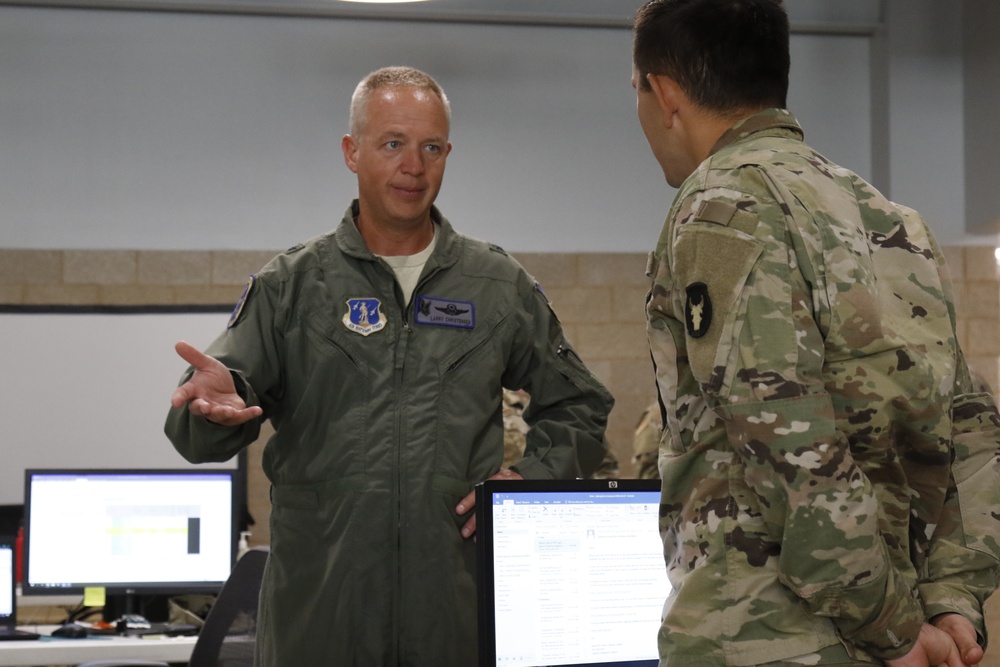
(247, 348)
(568, 412)
(755, 349)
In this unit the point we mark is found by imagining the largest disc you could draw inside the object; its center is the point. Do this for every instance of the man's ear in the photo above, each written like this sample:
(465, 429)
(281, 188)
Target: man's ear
(350, 147)
(668, 95)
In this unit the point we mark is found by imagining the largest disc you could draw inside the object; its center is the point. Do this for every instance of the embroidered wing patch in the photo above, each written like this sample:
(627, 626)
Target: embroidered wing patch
(445, 312)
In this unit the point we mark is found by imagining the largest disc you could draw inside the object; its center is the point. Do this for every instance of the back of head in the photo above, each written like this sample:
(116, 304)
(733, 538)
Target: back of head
(390, 77)
(728, 56)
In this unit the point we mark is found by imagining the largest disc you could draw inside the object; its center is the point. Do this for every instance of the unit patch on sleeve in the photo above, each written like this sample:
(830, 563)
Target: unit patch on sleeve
(698, 310)
(364, 316)
(238, 310)
(445, 312)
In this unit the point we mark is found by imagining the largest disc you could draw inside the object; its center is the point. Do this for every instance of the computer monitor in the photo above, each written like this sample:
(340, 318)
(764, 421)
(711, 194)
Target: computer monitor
(570, 572)
(130, 532)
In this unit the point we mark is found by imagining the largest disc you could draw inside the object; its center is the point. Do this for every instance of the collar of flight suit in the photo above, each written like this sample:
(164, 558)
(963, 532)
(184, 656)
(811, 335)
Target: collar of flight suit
(447, 250)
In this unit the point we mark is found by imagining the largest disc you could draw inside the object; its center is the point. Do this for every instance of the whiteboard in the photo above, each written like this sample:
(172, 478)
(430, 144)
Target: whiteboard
(86, 389)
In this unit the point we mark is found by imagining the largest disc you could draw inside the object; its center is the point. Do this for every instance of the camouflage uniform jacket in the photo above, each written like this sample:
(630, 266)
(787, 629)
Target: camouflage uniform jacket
(802, 332)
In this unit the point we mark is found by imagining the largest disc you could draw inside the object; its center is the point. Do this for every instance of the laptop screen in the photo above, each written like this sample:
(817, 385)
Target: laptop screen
(570, 573)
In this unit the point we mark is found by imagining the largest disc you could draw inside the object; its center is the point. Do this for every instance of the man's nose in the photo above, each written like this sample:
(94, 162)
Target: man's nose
(413, 161)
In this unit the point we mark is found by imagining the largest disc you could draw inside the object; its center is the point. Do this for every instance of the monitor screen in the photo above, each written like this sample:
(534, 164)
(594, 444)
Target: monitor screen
(129, 531)
(6, 581)
(570, 572)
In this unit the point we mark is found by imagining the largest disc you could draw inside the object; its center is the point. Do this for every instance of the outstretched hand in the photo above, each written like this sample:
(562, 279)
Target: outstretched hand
(211, 392)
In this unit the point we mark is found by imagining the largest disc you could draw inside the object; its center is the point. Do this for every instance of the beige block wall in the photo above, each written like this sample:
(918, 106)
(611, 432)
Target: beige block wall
(598, 297)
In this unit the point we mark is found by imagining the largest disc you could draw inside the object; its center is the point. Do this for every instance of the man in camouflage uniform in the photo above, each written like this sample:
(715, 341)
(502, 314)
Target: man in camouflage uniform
(829, 477)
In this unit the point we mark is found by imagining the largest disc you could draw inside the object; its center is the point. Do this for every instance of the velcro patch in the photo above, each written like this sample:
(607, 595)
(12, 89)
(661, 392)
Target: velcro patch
(238, 310)
(445, 312)
(713, 210)
(729, 215)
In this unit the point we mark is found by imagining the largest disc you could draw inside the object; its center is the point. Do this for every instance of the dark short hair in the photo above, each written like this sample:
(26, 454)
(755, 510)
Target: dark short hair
(726, 55)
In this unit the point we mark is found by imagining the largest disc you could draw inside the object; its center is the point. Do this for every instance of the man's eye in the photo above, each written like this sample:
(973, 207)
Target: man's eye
(392, 144)
(433, 148)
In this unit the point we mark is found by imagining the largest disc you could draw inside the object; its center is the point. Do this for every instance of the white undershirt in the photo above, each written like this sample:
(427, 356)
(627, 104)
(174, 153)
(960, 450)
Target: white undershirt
(409, 267)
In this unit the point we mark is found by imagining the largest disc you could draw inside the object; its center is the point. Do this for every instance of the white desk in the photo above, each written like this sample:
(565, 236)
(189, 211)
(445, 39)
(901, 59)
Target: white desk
(57, 651)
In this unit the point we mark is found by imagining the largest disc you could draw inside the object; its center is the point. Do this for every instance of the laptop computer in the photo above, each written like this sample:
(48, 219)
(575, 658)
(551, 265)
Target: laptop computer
(570, 572)
(8, 596)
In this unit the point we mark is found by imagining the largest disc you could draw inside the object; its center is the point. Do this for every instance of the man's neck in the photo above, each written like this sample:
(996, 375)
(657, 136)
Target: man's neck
(395, 240)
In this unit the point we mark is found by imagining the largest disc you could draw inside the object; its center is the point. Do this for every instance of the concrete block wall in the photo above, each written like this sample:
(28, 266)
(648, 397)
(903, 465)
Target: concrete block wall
(598, 297)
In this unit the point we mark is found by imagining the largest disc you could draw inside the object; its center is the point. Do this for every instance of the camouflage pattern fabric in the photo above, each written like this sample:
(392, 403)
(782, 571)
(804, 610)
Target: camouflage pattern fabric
(515, 433)
(646, 443)
(802, 330)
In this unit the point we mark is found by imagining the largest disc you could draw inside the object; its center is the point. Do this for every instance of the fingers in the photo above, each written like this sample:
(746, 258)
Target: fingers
(182, 395)
(962, 632)
(226, 415)
(940, 648)
(469, 529)
(468, 502)
(192, 355)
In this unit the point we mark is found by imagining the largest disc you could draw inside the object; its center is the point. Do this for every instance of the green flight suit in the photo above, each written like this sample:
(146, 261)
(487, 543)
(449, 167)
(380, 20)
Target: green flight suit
(802, 330)
(385, 417)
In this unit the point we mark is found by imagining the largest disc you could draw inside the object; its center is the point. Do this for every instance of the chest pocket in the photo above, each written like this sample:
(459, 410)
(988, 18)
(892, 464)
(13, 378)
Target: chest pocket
(713, 258)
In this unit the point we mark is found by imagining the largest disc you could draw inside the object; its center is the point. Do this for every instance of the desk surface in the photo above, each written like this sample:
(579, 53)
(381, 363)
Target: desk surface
(58, 651)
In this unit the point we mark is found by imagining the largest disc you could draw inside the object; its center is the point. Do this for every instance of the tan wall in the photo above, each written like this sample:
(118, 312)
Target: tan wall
(598, 298)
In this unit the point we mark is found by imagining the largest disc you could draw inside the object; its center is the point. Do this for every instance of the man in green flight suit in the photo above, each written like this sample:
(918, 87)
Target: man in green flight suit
(829, 475)
(379, 352)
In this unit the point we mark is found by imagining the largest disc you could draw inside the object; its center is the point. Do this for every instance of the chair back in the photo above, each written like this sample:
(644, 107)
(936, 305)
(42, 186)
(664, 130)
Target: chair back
(230, 632)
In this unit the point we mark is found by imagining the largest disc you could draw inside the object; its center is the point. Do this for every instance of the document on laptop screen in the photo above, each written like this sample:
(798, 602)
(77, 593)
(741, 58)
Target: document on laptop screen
(578, 577)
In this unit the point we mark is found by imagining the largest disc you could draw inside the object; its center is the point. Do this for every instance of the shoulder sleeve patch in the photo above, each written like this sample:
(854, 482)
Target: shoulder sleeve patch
(244, 298)
(713, 267)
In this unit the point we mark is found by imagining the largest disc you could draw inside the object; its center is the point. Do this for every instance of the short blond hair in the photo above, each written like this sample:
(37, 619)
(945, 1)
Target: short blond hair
(391, 77)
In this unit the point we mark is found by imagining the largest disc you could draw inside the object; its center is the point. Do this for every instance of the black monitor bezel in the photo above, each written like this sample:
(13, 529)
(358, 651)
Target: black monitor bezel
(130, 588)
